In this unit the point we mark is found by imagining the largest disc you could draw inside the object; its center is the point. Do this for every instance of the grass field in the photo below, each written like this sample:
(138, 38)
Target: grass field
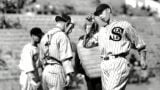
(12, 41)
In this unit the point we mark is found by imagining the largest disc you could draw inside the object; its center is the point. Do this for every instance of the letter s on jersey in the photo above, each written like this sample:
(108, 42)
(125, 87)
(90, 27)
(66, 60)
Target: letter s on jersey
(116, 34)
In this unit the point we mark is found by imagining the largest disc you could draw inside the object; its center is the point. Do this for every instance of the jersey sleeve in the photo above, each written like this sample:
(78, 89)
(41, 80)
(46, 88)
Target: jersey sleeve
(65, 53)
(64, 48)
(26, 62)
(135, 39)
(42, 46)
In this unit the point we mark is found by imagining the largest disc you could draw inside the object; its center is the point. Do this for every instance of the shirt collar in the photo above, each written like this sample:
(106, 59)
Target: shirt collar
(110, 21)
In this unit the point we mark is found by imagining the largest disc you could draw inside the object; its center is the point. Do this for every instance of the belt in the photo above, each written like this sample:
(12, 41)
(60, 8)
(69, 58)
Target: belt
(109, 57)
(51, 64)
(54, 59)
(115, 56)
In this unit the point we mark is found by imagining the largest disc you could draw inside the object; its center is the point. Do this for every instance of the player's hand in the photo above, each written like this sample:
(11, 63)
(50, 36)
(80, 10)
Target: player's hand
(30, 76)
(80, 76)
(34, 85)
(68, 80)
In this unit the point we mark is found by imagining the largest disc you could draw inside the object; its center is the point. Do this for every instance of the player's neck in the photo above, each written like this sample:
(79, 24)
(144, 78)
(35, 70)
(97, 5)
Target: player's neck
(34, 43)
(108, 22)
(60, 26)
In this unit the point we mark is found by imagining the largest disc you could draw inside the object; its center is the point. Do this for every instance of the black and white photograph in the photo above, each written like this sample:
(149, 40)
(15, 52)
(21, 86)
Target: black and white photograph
(79, 44)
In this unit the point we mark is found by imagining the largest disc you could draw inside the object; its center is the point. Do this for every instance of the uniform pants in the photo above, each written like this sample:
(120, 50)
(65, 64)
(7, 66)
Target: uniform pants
(53, 77)
(114, 73)
(26, 83)
(23, 80)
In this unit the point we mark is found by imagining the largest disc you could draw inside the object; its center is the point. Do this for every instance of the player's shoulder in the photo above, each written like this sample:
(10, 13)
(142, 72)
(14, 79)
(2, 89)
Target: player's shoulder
(59, 34)
(27, 46)
(123, 22)
(53, 31)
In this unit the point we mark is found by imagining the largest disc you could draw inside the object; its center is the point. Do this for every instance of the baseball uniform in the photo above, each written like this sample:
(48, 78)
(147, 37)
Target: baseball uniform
(115, 42)
(29, 56)
(53, 76)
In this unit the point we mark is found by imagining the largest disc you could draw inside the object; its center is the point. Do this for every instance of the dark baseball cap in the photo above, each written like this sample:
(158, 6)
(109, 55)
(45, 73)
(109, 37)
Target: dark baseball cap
(36, 31)
(63, 17)
(100, 9)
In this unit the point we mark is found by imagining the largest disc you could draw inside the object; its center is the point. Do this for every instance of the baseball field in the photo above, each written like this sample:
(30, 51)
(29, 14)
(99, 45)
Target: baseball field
(12, 41)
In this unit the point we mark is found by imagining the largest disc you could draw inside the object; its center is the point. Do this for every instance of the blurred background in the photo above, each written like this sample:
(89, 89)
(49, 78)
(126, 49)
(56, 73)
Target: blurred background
(17, 17)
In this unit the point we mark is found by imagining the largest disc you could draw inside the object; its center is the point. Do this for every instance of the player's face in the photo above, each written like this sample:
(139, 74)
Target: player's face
(35, 39)
(105, 15)
(63, 26)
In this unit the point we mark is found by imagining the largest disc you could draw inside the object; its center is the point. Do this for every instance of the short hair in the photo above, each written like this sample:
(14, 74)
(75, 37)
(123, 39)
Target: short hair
(36, 31)
(101, 8)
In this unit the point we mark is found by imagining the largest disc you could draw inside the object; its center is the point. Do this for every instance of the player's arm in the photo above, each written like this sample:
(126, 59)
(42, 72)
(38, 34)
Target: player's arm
(41, 61)
(26, 62)
(65, 53)
(137, 43)
(66, 57)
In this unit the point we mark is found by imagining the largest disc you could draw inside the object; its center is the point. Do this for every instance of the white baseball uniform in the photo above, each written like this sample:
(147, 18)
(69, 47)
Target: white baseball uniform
(53, 76)
(29, 56)
(114, 40)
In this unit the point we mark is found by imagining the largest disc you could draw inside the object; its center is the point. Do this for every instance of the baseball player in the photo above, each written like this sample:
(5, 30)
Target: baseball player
(29, 78)
(56, 54)
(115, 39)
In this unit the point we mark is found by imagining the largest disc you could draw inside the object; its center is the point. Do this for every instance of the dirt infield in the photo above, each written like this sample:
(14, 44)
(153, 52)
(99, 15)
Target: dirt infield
(154, 84)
